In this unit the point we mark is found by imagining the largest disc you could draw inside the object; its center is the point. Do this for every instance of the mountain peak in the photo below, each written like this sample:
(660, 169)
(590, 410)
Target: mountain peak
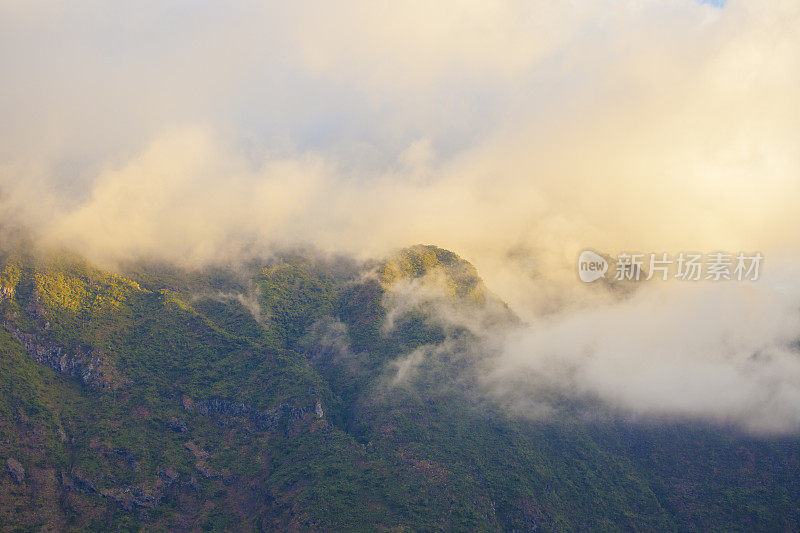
(422, 260)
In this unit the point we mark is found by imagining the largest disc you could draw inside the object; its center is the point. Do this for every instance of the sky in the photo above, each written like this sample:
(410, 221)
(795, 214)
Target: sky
(515, 133)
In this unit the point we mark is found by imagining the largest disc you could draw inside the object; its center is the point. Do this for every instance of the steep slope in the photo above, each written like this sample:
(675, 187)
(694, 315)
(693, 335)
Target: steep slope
(311, 393)
(189, 424)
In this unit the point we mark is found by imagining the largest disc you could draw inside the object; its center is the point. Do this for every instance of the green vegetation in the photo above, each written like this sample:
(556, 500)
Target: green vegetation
(199, 413)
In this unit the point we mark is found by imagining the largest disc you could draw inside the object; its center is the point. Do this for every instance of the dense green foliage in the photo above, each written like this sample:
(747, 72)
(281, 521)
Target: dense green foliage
(200, 411)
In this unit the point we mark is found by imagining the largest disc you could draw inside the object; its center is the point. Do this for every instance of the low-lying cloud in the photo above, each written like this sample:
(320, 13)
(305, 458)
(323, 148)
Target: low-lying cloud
(724, 353)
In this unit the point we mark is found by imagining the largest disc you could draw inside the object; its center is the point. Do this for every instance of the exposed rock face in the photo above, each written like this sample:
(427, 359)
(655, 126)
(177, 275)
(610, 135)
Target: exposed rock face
(82, 482)
(6, 292)
(169, 475)
(204, 469)
(188, 403)
(90, 366)
(198, 452)
(147, 495)
(231, 412)
(177, 425)
(128, 457)
(15, 469)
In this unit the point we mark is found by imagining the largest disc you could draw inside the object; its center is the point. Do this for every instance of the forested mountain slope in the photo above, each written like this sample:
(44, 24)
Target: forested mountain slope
(305, 392)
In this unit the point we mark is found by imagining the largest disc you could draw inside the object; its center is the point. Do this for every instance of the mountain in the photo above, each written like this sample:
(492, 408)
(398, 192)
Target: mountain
(307, 392)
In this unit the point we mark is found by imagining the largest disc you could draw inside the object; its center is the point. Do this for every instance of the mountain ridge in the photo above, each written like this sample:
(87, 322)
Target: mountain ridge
(210, 414)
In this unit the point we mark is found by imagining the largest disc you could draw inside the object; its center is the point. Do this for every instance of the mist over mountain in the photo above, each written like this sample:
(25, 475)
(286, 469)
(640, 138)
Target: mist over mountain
(308, 391)
(280, 266)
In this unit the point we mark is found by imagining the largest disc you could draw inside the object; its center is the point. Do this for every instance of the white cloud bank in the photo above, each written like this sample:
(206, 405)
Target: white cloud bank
(722, 353)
